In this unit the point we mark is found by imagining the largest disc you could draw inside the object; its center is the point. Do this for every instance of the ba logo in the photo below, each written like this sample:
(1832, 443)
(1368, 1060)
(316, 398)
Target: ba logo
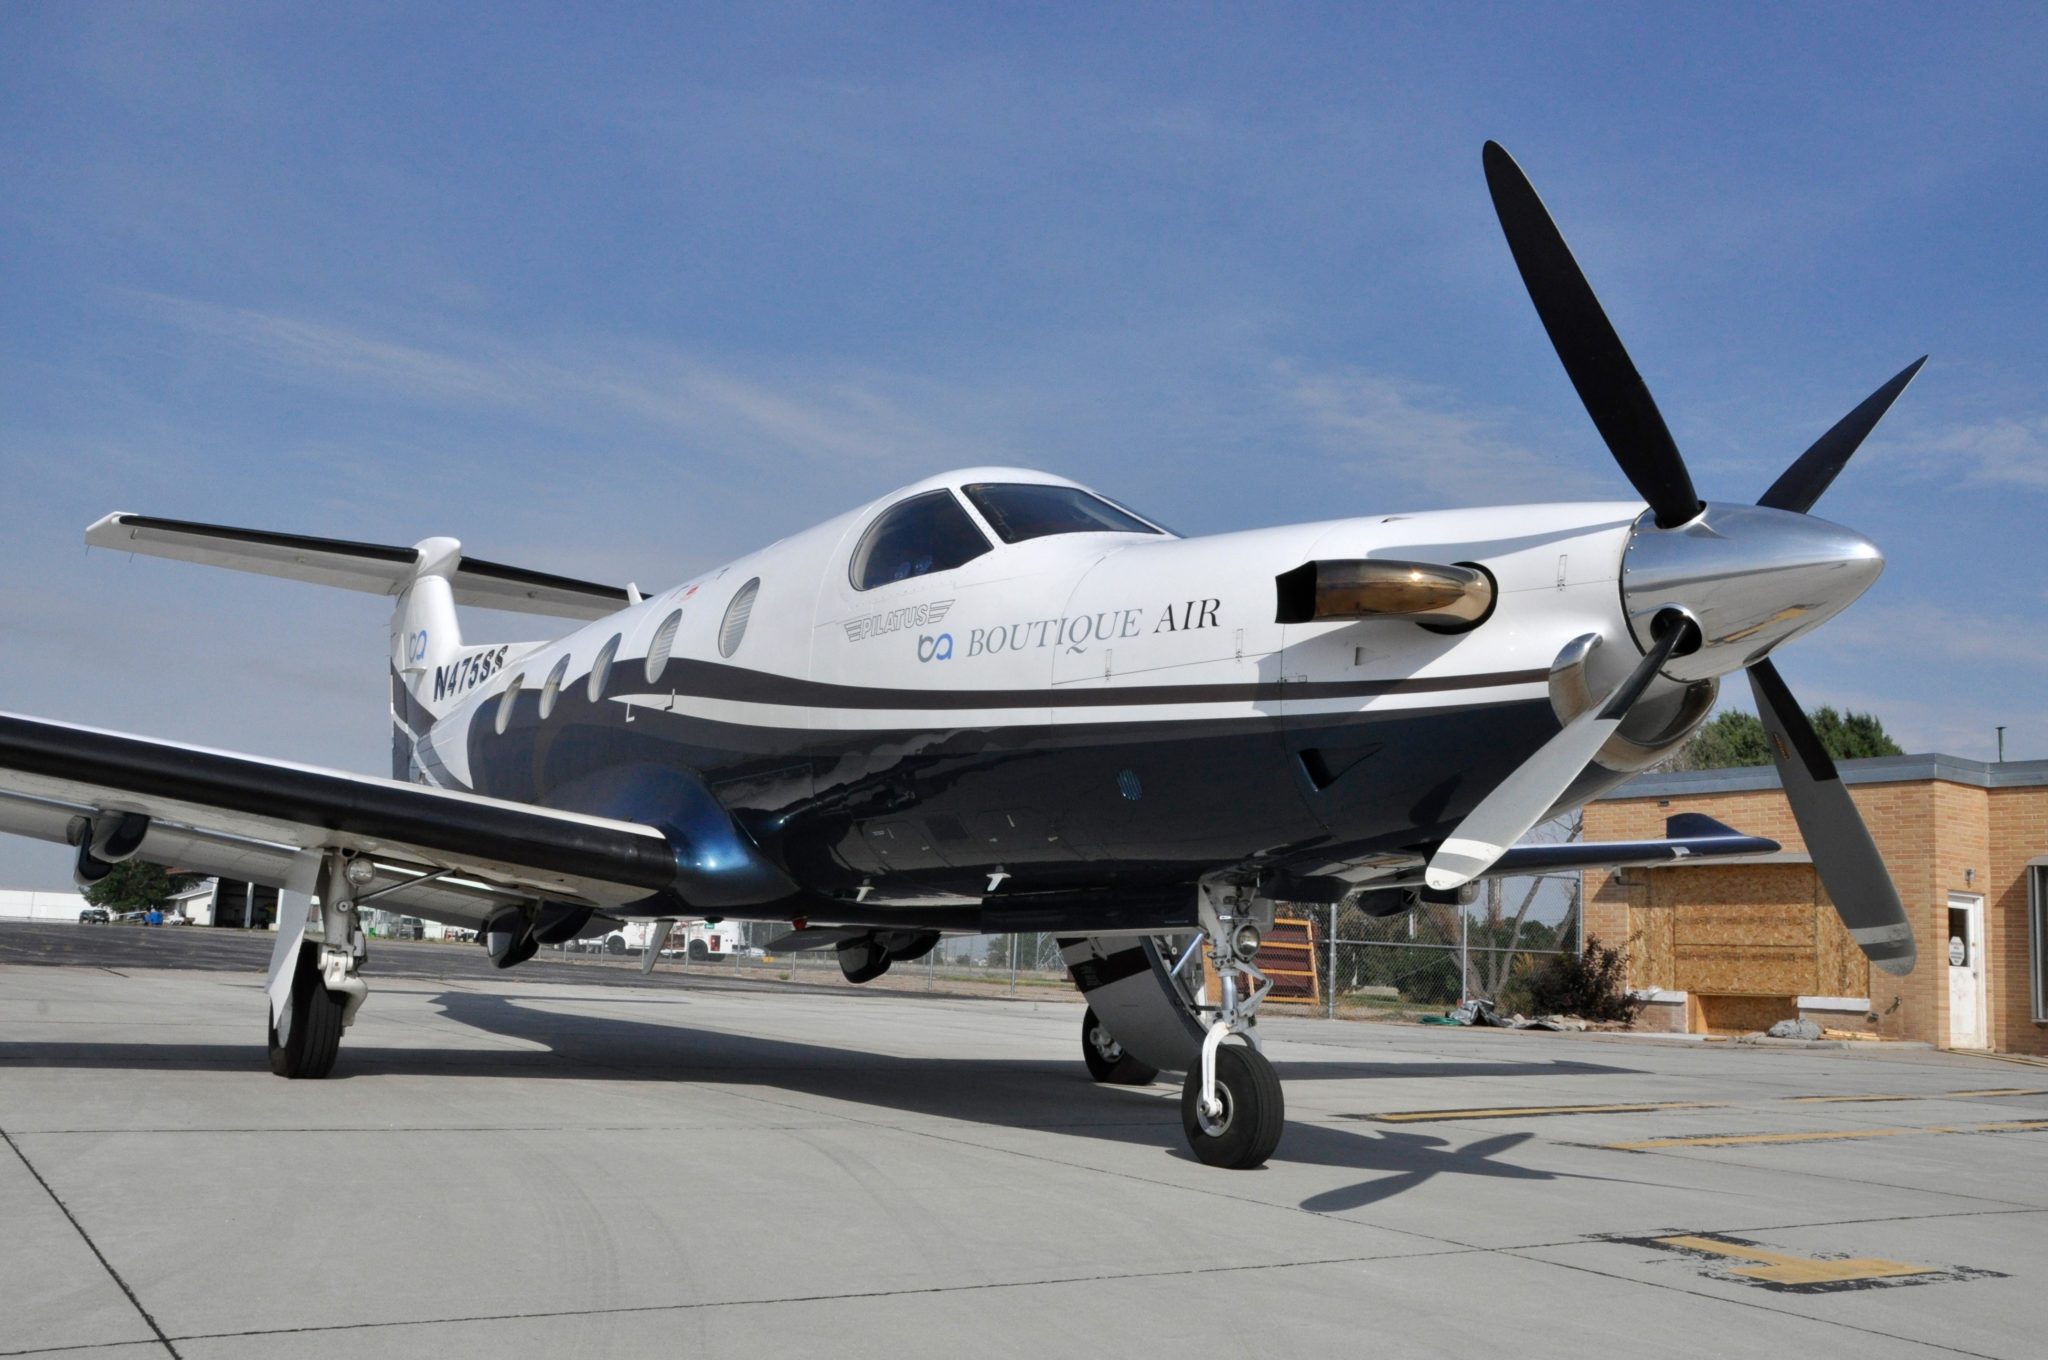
(938, 648)
(416, 648)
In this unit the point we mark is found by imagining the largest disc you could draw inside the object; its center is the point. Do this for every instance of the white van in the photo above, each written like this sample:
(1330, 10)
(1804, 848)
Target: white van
(698, 941)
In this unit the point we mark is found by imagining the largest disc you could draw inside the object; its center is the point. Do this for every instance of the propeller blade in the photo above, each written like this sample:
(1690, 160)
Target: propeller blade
(1614, 394)
(1843, 854)
(1519, 802)
(1800, 485)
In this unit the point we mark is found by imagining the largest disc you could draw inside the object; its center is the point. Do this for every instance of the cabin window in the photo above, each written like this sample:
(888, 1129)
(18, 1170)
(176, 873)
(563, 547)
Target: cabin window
(552, 690)
(736, 615)
(664, 641)
(602, 667)
(1021, 510)
(508, 700)
(925, 534)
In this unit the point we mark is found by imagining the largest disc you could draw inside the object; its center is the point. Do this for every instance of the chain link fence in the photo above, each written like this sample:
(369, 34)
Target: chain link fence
(1437, 955)
(1426, 959)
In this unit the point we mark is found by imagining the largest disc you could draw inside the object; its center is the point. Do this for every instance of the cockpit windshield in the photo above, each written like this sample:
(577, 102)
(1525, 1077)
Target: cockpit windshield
(1021, 510)
(924, 534)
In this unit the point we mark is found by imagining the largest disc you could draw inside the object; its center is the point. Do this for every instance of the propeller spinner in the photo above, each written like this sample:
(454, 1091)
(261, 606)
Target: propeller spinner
(1710, 587)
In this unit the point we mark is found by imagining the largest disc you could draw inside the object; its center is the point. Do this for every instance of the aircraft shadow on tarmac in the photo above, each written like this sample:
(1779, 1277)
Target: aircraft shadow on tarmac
(1002, 1092)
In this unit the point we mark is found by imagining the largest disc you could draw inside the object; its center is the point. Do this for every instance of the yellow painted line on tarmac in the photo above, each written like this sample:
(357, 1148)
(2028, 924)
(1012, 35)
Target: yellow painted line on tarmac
(1942, 1095)
(1781, 1268)
(1518, 1111)
(1653, 1106)
(1822, 1135)
(1743, 1139)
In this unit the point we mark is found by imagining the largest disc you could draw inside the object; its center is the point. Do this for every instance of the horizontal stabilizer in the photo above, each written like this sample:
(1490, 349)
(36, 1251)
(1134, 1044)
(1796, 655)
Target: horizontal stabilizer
(380, 569)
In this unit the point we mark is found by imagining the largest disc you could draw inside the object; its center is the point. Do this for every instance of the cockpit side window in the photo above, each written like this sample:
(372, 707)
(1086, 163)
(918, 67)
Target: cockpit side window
(1021, 510)
(917, 537)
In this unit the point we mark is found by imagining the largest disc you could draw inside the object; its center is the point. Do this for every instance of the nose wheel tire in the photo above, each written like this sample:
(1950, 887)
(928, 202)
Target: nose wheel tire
(304, 1041)
(1244, 1133)
(1107, 1061)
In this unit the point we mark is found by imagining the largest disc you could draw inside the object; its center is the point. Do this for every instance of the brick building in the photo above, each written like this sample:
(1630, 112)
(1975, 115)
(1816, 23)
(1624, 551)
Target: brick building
(1736, 945)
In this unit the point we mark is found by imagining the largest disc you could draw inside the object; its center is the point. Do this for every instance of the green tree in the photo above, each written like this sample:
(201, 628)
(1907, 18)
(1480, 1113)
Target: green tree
(132, 885)
(1852, 736)
(1731, 738)
(1737, 738)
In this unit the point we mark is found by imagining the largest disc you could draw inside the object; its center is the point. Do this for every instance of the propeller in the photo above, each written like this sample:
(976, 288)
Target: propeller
(1521, 799)
(1614, 394)
(1800, 485)
(1843, 853)
(1780, 541)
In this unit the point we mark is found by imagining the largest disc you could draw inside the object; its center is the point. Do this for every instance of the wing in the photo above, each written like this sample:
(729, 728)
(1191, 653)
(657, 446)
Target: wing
(441, 853)
(1689, 835)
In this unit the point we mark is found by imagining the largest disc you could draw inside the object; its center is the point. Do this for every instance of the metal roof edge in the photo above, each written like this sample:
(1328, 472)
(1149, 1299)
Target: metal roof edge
(1983, 774)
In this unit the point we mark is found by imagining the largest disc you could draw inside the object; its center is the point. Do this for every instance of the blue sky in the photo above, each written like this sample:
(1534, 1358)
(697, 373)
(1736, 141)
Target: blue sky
(624, 291)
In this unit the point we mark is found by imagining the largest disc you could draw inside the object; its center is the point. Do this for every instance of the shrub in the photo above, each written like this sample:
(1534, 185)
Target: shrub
(1592, 986)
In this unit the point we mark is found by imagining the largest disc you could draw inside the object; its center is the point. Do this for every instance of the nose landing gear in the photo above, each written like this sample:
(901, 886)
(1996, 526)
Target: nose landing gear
(1231, 1105)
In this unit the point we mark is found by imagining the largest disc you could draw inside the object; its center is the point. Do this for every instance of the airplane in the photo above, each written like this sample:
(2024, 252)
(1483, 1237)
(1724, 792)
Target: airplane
(998, 701)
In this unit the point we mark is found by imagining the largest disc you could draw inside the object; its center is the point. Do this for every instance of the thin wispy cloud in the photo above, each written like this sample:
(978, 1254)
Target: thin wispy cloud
(1421, 436)
(828, 414)
(2007, 452)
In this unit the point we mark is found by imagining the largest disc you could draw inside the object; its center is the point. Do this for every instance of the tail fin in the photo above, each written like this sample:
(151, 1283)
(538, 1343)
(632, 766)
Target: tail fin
(426, 644)
(432, 669)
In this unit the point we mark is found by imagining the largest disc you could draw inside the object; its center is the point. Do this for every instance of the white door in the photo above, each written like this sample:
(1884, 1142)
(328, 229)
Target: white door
(1966, 1001)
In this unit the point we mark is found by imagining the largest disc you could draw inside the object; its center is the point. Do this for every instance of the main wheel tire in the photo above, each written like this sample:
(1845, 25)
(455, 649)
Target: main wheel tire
(1254, 1112)
(311, 1035)
(1107, 1061)
(698, 953)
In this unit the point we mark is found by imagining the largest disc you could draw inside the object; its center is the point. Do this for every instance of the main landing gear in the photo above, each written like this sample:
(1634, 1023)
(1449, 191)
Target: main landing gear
(1230, 1105)
(315, 985)
(1107, 1060)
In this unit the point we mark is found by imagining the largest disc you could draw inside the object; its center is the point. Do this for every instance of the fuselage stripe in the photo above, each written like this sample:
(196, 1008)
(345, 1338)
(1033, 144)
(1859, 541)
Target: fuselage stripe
(709, 680)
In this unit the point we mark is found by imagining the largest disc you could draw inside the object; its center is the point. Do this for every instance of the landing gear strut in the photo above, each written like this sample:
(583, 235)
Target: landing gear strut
(1231, 1106)
(315, 985)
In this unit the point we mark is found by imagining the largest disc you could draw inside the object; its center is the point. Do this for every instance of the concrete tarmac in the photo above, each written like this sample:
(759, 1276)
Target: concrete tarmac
(507, 1166)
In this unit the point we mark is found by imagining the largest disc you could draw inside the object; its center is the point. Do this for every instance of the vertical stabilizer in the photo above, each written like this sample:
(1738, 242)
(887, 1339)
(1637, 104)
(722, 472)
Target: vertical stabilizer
(426, 638)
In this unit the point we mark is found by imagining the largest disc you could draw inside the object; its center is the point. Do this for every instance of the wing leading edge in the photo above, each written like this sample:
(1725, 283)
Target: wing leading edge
(208, 803)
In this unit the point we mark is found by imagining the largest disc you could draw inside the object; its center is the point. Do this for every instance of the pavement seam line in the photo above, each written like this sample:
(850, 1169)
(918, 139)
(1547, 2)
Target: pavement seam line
(1454, 1244)
(91, 1245)
(841, 1297)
